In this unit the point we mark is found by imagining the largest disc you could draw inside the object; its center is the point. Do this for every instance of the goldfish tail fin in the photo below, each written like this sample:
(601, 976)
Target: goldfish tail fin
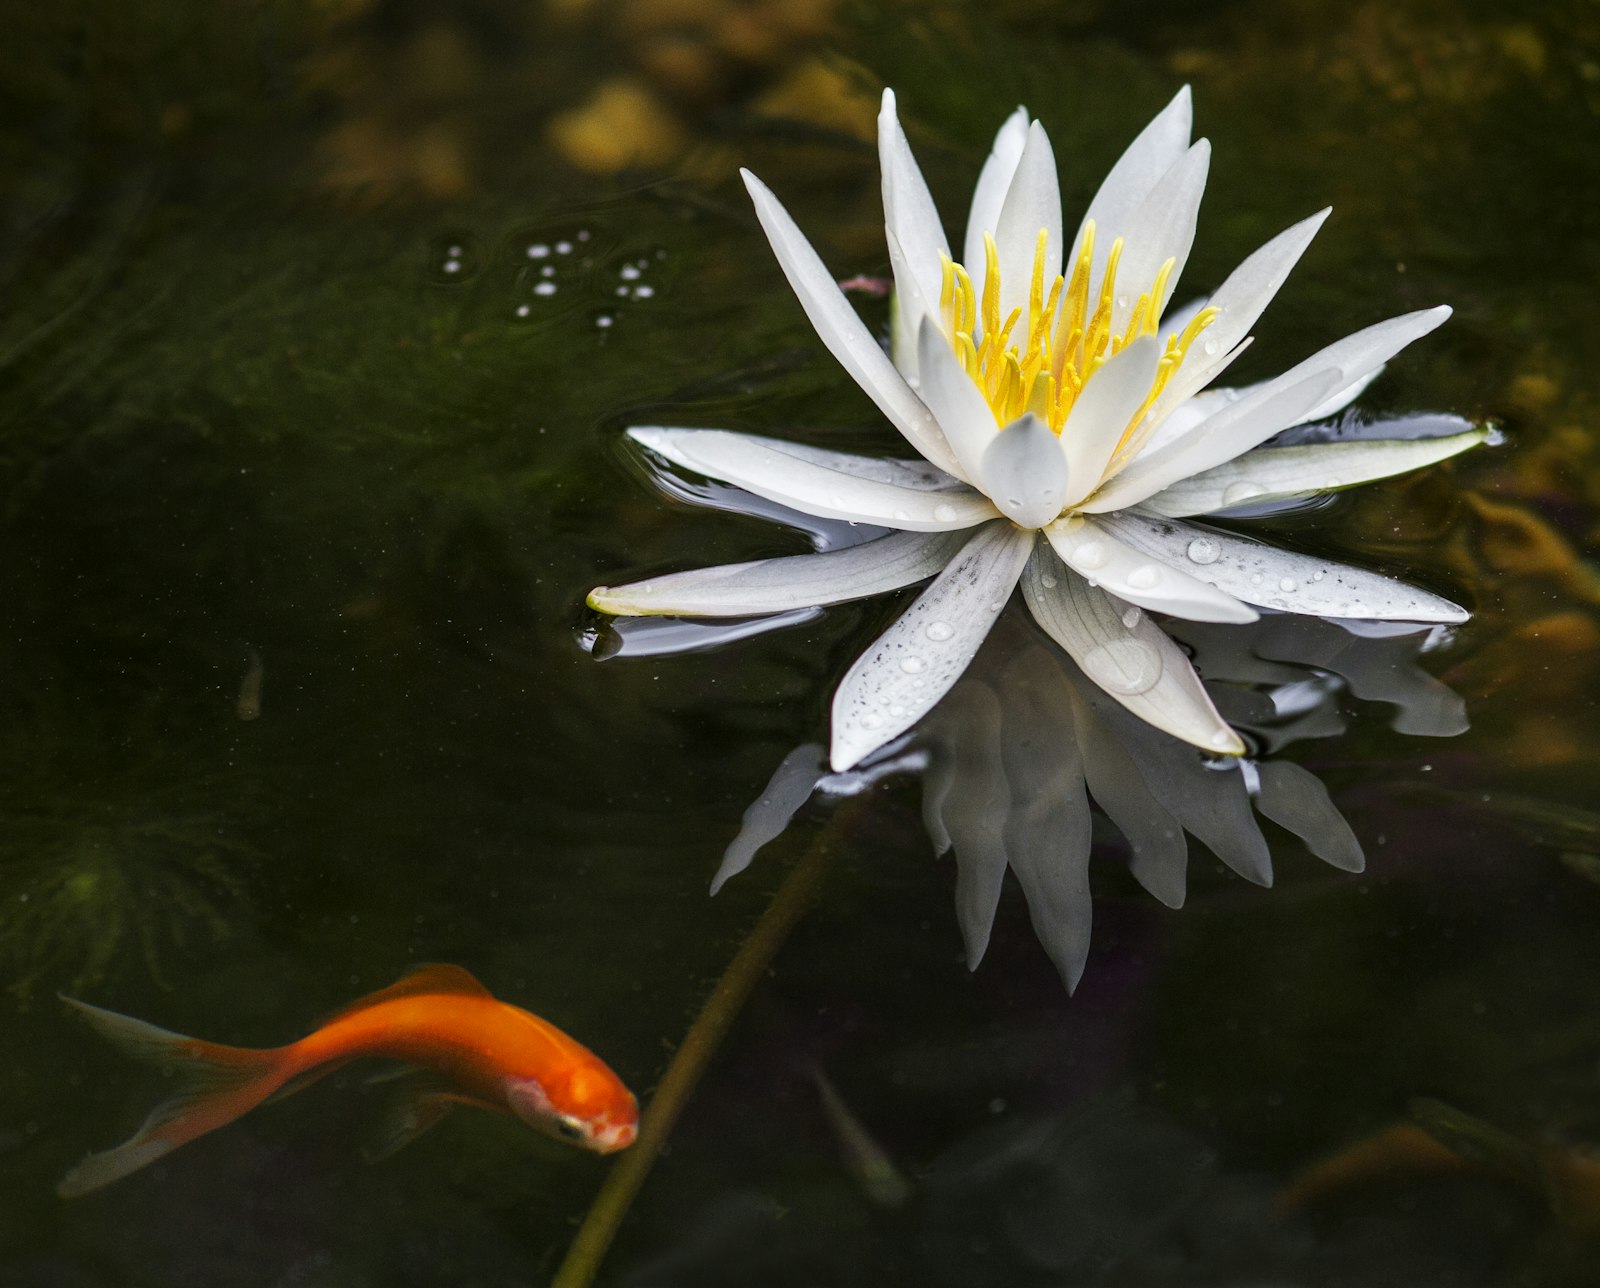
(216, 1084)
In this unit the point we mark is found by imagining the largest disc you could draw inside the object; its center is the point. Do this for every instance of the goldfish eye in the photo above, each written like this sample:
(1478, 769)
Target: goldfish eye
(570, 1128)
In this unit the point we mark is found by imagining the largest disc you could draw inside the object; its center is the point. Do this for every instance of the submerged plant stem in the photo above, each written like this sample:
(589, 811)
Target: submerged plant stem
(705, 1035)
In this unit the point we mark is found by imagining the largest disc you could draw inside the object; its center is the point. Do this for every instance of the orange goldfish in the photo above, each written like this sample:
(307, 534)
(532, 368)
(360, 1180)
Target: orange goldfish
(466, 1047)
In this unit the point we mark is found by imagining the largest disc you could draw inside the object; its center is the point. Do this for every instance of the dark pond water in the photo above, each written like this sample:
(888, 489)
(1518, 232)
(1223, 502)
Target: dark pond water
(321, 324)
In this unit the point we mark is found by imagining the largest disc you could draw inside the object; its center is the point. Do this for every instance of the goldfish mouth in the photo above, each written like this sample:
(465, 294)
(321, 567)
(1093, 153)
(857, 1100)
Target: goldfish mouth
(609, 1139)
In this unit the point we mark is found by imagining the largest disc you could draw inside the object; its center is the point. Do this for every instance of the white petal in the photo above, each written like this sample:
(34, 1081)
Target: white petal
(1140, 168)
(1162, 228)
(1174, 321)
(907, 311)
(1089, 548)
(1024, 472)
(1269, 408)
(964, 414)
(990, 194)
(1291, 583)
(1278, 473)
(908, 209)
(913, 664)
(1242, 298)
(1134, 663)
(1235, 429)
(832, 485)
(842, 331)
(1339, 399)
(1032, 203)
(1103, 411)
(777, 585)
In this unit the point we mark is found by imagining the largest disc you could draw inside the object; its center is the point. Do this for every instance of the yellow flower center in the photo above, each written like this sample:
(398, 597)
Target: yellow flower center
(1067, 339)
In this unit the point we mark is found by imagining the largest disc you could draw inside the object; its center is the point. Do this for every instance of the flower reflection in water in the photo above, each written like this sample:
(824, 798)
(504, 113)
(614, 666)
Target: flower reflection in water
(1012, 757)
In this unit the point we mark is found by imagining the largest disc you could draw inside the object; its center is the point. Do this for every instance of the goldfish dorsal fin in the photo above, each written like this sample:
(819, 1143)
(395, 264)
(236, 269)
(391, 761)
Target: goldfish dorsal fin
(430, 977)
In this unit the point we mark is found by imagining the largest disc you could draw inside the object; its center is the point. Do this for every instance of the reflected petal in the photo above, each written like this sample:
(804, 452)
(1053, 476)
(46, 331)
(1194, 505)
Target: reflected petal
(1295, 798)
(913, 664)
(789, 788)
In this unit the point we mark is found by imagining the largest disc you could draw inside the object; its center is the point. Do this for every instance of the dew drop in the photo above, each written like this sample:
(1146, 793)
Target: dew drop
(1122, 301)
(1144, 576)
(1210, 348)
(1239, 493)
(1091, 554)
(1047, 581)
(1255, 579)
(912, 664)
(939, 630)
(1204, 550)
(1318, 575)
(1222, 740)
(872, 720)
(1130, 619)
(1287, 583)
(901, 515)
(897, 711)
(944, 513)
(1126, 666)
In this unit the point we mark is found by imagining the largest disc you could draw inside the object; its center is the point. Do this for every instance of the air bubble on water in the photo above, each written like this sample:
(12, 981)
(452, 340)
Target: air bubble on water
(939, 630)
(1203, 550)
(643, 292)
(452, 266)
(538, 251)
(549, 270)
(522, 310)
(563, 248)
(622, 291)
(544, 288)
(604, 320)
(629, 273)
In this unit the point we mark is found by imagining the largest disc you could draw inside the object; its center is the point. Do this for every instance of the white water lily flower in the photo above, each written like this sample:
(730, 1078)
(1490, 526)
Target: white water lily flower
(1067, 432)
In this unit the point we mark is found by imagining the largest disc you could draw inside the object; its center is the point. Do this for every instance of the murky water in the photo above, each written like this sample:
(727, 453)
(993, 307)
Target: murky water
(321, 326)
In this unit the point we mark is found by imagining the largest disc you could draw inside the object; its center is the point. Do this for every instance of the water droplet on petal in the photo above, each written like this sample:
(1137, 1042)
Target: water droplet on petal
(1210, 348)
(1222, 739)
(1091, 554)
(872, 720)
(1126, 666)
(1287, 583)
(1204, 550)
(1047, 581)
(1130, 619)
(912, 664)
(1144, 576)
(897, 711)
(1122, 301)
(1255, 579)
(901, 515)
(939, 630)
(944, 512)
(1239, 493)
(1318, 575)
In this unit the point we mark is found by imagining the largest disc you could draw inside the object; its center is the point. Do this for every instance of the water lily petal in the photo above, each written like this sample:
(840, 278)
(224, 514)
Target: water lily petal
(1162, 228)
(842, 330)
(1025, 473)
(1090, 548)
(1339, 399)
(1139, 169)
(1279, 473)
(777, 585)
(908, 209)
(1032, 203)
(1241, 298)
(990, 194)
(1291, 583)
(769, 814)
(913, 664)
(1102, 413)
(833, 485)
(1233, 430)
(909, 308)
(1271, 407)
(964, 413)
(1125, 653)
(1210, 401)
(1174, 321)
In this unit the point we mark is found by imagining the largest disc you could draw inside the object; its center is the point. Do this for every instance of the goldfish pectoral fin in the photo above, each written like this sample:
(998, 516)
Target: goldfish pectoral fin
(407, 1115)
(215, 1085)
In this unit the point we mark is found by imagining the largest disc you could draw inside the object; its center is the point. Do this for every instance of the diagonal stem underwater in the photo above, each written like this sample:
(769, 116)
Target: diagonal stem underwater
(700, 1043)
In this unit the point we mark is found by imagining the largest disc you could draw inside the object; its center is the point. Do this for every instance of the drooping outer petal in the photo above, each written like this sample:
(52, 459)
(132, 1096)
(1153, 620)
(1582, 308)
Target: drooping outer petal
(990, 194)
(1090, 548)
(1123, 652)
(777, 585)
(1292, 583)
(859, 489)
(1147, 158)
(843, 332)
(912, 665)
(1279, 473)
